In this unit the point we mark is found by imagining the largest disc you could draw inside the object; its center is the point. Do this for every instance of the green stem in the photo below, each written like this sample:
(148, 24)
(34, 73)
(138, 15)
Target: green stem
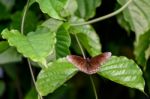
(33, 79)
(22, 31)
(94, 89)
(80, 46)
(24, 16)
(105, 16)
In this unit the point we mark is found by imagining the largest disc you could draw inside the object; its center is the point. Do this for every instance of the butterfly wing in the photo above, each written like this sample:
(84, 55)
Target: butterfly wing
(97, 61)
(78, 61)
(89, 66)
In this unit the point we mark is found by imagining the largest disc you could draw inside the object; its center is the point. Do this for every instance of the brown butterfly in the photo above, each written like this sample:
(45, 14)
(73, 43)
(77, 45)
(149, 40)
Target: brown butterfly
(89, 66)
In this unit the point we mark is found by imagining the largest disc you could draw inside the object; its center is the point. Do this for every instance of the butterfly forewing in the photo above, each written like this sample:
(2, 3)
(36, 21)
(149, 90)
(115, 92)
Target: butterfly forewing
(78, 61)
(97, 61)
(100, 59)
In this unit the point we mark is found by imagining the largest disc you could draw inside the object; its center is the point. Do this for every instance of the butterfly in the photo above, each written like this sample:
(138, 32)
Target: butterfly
(89, 66)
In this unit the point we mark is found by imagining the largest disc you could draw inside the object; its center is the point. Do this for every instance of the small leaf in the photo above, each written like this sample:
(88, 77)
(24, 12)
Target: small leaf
(87, 8)
(10, 55)
(137, 14)
(36, 45)
(87, 36)
(57, 73)
(123, 71)
(63, 42)
(141, 47)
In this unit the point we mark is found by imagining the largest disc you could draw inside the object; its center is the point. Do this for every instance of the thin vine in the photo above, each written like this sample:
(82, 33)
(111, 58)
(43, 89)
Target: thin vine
(93, 85)
(22, 31)
(83, 54)
(105, 16)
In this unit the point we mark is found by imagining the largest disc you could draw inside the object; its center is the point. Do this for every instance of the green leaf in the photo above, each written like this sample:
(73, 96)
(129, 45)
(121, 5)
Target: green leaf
(87, 36)
(137, 14)
(87, 8)
(2, 87)
(52, 24)
(63, 42)
(10, 55)
(36, 45)
(123, 22)
(55, 75)
(3, 46)
(123, 71)
(141, 47)
(69, 8)
(58, 8)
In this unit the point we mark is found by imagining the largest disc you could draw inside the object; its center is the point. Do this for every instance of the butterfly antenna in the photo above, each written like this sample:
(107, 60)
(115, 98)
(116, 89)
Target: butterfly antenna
(80, 47)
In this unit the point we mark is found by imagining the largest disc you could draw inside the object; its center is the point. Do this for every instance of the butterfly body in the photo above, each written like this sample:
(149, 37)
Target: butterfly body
(89, 66)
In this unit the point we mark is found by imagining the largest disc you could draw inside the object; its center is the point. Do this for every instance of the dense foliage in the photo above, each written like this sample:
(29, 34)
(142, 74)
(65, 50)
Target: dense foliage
(42, 33)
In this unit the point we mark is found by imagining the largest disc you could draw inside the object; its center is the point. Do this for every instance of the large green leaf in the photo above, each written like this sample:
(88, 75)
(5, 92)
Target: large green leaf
(137, 14)
(87, 8)
(58, 8)
(36, 45)
(63, 42)
(56, 74)
(87, 36)
(123, 71)
(141, 47)
(10, 55)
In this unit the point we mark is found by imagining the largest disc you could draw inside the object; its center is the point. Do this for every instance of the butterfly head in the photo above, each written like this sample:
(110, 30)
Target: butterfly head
(88, 59)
